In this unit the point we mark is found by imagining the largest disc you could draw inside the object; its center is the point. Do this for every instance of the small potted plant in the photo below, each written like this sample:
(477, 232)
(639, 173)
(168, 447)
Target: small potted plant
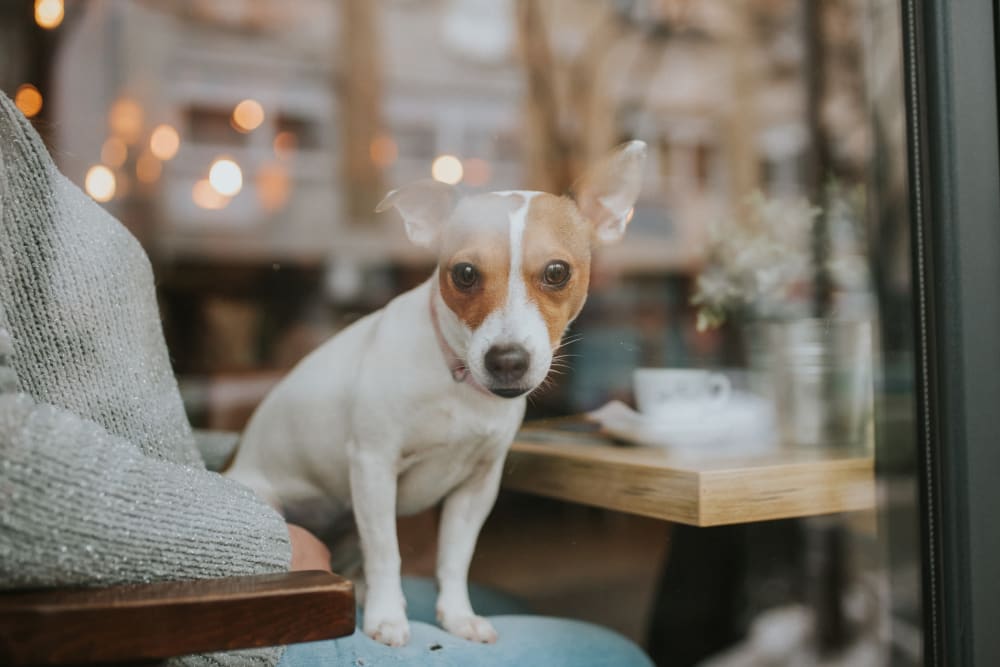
(758, 267)
(810, 346)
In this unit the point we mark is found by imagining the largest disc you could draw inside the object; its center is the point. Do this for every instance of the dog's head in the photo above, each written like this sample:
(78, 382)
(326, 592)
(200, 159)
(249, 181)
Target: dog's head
(514, 267)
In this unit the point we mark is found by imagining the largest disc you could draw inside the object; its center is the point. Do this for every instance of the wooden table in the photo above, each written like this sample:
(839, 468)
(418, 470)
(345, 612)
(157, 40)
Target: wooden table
(698, 490)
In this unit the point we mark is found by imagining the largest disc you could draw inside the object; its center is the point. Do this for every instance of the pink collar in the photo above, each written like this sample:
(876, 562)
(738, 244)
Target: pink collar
(459, 370)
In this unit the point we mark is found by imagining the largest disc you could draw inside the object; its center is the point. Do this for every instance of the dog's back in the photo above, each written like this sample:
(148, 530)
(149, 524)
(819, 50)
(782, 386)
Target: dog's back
(293, 452)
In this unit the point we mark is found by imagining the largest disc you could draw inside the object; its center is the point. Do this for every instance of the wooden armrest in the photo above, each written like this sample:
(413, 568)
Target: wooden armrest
(158, 621)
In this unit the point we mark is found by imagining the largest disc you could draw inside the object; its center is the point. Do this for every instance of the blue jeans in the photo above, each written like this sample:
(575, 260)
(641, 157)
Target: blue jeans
(524, 641)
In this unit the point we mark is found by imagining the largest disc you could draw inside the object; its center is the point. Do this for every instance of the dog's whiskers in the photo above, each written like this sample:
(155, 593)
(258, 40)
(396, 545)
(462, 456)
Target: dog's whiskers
(569, 341)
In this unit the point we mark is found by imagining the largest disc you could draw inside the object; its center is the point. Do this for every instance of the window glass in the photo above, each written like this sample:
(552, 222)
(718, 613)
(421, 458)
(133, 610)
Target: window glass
(721, 463)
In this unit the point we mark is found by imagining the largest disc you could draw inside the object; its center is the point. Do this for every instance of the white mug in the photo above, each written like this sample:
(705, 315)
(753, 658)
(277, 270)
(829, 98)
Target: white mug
(679, 393)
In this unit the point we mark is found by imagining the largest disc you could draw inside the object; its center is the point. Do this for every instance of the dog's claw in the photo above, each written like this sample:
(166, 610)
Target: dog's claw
(474, 628)
(389, 632)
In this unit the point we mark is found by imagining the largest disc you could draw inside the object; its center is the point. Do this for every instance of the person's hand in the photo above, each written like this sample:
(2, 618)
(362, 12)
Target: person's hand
(308, 553)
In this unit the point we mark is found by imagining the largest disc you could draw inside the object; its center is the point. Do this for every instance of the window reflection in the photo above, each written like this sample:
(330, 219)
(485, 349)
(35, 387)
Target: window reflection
(246, 145)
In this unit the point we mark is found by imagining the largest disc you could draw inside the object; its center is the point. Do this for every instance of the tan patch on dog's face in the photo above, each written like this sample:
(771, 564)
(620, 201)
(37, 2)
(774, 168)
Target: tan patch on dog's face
(555, 231)
(478, 233)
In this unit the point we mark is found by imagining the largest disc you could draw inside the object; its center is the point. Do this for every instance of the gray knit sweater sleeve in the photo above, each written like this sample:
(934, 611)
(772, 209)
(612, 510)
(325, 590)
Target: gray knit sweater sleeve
(81, 506)
(100, 479)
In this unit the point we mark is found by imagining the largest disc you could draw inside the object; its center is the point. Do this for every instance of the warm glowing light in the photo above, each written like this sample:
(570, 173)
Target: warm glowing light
(226, 177)
(477, 171)
(49, 13)
(100, 183)
(148, 168)
(447, 169)
(125, 120)
(273, 185)
(114, 152)
(630, 215)
(383, 151)
(285, 143)
(122, 185)
(28, 100)
(248, 115)
(205, 196)
(164, 142)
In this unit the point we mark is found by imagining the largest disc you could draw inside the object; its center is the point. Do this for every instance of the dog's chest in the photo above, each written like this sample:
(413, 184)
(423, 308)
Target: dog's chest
(445, 450)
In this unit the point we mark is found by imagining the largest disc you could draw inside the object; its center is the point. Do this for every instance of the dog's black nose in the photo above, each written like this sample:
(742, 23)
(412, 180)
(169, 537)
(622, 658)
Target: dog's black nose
(507, 363)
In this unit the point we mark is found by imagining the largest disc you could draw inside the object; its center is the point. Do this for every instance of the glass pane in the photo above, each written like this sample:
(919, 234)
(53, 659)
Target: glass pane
(719, 456)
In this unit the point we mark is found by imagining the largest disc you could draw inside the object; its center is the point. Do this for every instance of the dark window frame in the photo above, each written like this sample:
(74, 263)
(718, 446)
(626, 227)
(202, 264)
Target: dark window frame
(954, 153)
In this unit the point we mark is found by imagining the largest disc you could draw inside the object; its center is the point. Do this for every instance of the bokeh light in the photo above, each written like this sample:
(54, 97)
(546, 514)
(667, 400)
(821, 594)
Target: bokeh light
(49, 13)
(123, 185)
(273, 185)
(248, 115)
(100, 183)
(164, 142)
(477, 171)
(114, 152)
(28, 100)
(226, 177)
(125, 120)
(148, 168)
(206, 197)
(383, 151)
(447, 169)
(285, 143)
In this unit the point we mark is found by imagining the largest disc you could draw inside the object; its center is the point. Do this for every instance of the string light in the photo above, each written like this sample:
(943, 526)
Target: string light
(447, 169)
(206, 197)
(248, 115)
(100, 183)
(226, 177)
(114, 152)
(273, 185)
(285, 143)
(164, 142)
(49, 13)
(383, 151)
(148, 168)
(28, 100)
(125, 120)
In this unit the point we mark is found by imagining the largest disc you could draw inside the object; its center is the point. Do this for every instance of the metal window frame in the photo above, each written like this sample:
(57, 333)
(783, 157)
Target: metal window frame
(950, 52)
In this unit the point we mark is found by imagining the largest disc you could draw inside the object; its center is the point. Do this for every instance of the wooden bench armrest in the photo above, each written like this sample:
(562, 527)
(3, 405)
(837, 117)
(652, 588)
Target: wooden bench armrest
(156, 621)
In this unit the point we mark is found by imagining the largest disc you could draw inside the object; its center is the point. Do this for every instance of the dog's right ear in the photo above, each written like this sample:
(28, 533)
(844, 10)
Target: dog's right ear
(424, 206)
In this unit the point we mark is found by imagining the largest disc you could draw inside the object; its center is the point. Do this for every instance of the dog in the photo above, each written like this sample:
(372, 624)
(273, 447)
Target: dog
(418, 403)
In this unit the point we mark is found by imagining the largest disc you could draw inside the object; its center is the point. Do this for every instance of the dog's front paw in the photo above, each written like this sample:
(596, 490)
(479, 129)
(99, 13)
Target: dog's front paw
(391, 631)
(471, 627)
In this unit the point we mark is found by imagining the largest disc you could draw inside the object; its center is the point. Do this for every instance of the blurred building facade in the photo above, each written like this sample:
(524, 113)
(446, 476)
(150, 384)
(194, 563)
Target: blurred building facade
(354, 98)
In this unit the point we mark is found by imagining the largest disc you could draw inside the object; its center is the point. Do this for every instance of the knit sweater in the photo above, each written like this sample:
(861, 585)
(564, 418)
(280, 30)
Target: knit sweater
(100, 478)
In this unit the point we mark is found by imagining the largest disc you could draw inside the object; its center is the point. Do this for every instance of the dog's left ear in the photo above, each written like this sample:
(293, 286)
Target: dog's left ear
(424, 206)
(608, 191)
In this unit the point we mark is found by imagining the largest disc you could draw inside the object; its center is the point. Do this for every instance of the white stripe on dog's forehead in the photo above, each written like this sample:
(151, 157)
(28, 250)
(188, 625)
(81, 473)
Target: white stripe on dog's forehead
(518, 308)
(518, 221)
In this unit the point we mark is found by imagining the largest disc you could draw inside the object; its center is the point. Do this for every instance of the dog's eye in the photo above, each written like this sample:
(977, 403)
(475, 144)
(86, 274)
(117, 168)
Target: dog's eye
(556, 274)
(464, 275)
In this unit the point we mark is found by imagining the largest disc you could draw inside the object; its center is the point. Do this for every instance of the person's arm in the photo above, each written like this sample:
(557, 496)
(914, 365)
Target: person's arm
(80, 506)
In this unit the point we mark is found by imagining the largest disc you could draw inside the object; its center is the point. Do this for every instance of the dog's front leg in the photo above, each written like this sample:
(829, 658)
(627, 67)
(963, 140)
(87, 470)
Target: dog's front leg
(464, 513)
(373, 493)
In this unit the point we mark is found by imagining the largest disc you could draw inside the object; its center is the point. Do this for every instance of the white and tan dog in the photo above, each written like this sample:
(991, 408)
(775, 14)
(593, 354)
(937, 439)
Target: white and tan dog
(420, 401)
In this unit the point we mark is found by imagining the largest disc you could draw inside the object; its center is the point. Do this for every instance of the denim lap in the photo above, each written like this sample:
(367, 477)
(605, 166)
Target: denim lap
(524, 641)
